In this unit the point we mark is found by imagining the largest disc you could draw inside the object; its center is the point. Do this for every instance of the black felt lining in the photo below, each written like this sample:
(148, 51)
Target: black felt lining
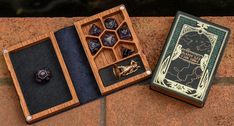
(108, 77)
(77, 64)
(26, 62)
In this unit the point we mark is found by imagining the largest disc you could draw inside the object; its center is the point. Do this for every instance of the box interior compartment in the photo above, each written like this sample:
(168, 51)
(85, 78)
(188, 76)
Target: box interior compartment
(104, 44)
(108, 77)
(26, 61)
(77, 64)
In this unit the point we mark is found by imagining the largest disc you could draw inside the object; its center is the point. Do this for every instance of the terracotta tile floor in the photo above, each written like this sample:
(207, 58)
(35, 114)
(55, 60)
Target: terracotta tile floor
(136, 105)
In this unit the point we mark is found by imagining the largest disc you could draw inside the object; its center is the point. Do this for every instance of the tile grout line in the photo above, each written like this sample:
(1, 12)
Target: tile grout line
(103, 112)
(224, 80)
(216, 81)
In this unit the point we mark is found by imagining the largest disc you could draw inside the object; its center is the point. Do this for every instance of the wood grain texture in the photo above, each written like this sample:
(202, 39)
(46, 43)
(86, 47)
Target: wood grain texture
(45, 113)
(109, 55)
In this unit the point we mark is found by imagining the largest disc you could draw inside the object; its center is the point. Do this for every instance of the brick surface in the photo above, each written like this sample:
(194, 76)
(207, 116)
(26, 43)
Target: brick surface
(3, 68)
(85, 115)
(10, 110)
(152, 32)
(138, 105)
(12, 115)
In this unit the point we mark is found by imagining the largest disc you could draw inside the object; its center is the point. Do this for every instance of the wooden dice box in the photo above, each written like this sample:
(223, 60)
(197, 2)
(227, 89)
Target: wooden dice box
(78, 76)
(107, 56)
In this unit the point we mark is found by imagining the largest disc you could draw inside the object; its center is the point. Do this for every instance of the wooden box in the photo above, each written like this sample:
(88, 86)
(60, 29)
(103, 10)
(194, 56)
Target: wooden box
(40, 100)
(78, 76)
(109, 56)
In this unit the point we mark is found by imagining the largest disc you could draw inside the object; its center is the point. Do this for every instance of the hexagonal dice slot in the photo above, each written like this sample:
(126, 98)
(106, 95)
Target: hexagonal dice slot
(124, 32)
(94, 45)
(109, 38)
(124, 49)
(104, 57)
(112, 21)
(94, 28)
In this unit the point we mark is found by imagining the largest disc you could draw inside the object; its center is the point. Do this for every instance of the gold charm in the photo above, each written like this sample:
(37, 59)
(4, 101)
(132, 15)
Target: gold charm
(122, 71)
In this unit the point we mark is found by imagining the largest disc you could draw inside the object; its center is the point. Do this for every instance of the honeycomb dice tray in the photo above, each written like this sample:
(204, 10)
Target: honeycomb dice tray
(78, 74)
(110, 52)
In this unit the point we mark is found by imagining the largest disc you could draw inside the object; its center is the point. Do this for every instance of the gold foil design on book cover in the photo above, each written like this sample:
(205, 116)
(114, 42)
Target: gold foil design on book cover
(195, 63)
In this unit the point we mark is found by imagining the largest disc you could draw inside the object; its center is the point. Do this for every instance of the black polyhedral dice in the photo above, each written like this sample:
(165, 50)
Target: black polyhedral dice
(111, 23)
(124, 32)
(43, 75)
(126, 52)
(94, 45)
(109, 39)
(95, 30)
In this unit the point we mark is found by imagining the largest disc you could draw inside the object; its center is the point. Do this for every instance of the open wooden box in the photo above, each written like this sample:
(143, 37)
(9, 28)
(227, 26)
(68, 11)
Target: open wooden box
(108, 56)
(40, 100)
(78, 76)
